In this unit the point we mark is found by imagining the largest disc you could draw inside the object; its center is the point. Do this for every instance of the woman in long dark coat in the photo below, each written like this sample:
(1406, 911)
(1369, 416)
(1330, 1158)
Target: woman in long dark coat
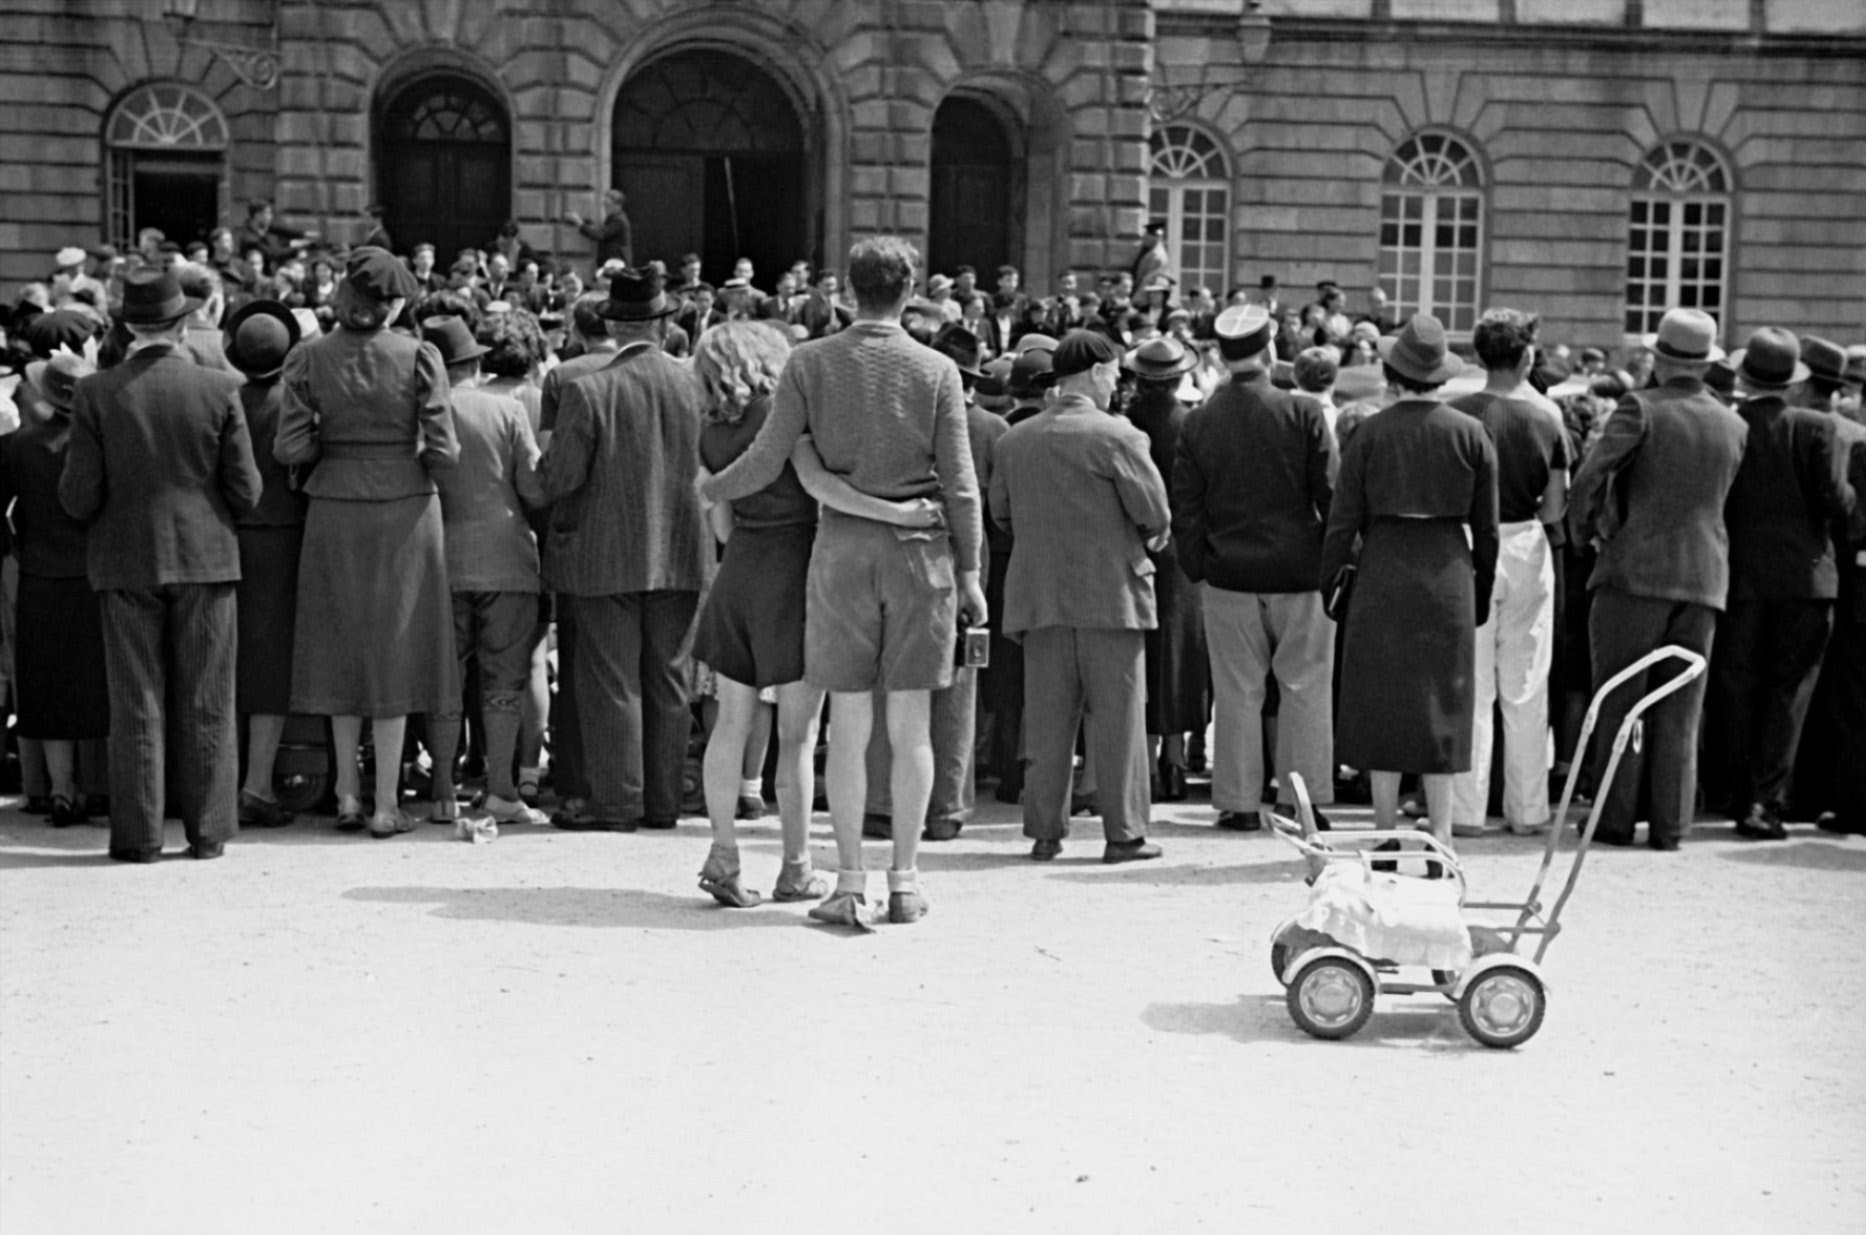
(1418, 487)
(1178, 671)
(374, 632)
(259, 336)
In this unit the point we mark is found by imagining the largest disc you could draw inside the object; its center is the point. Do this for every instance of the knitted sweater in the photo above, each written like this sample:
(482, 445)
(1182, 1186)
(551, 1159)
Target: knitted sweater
(886, 414)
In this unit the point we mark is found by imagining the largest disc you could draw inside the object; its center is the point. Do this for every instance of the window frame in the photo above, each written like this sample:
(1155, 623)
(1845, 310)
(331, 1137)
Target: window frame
(1433, 179)
(206, 133)
(1676, 175)
(1170, 176)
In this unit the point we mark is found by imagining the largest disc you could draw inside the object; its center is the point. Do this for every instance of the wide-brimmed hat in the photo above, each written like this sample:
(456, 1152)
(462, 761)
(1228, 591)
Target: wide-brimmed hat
(452, 340)
(1825, 359)
(962, 346)
(1688, 336)
(1771, 361)
(152, 297)
(1420, 352)
(379, 275)
(259, 334)
(70, 255)
(56, 379)
(1161, 360)
(1243, 331)
(635, 296)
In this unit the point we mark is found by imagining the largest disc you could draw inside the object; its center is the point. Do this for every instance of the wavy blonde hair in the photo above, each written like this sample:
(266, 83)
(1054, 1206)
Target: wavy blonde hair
(738, 363)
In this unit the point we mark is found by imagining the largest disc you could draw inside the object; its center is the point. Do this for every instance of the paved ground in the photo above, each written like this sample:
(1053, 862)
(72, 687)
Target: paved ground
(559, 1033)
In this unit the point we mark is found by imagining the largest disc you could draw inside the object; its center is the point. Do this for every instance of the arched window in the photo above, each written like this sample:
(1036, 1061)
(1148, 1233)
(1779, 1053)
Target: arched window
(1678, 235)
(1432, 230)
(165, 147)
(444, 164)
(1190, 192)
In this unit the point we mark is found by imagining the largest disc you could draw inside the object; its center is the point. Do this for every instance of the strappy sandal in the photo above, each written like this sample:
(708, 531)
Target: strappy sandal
(350, 816)
(392, 822)
(798, 881)
(721, 880)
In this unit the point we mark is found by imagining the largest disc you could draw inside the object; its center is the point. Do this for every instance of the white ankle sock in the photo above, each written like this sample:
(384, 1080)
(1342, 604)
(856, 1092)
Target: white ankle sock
(903, 881)
(852, 881)
(752, 788)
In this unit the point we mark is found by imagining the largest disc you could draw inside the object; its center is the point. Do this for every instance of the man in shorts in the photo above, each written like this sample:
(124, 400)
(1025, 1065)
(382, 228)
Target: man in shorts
(888, 416)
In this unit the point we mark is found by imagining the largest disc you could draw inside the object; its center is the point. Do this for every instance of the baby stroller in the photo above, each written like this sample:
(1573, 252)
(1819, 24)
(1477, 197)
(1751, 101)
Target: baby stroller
(1367, 920)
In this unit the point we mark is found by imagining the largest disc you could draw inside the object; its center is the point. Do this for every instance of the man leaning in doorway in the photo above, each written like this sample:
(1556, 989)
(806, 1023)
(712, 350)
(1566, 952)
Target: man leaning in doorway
(888, 416)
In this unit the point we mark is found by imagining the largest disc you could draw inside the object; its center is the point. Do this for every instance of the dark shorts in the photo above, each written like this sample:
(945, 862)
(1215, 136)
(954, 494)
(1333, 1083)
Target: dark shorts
(499, 630)
(882, 609)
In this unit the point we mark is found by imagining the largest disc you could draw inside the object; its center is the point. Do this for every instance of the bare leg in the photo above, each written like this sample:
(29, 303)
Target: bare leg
(1385, 789)
(535, 706)
(1438, 798)
(851, 717)
(799, 709)
(346, 734)
(444, 744)
(725, 752)
(262, 753)
(757, 742)
(389, 731)
(61, 765)
(910, 714)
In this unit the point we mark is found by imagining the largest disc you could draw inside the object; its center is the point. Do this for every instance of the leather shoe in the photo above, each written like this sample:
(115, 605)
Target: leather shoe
(1664, 844)
(1045, 850)
(652, 825)
(1761, 824)
(1829, 821)
(1240, 821)
(1129, 851)
(942, 829)
(258, 812)
(66, 811)
(207, 850)
(1619, 840)
(143, 856)
(590, 823)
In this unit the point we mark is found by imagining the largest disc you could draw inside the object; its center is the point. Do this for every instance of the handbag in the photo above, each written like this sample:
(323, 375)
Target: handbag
(1339, 591)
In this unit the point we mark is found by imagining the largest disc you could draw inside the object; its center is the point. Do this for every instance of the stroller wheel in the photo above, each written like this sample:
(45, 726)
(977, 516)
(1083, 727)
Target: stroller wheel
(1330, 998)
(1503, 1007)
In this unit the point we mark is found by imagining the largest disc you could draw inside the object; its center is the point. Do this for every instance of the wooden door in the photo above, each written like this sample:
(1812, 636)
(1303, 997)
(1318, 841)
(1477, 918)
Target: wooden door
(666, 205)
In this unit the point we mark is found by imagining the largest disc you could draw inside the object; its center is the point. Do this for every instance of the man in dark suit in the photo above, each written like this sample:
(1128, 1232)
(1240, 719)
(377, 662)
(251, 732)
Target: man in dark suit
(628, 548)
(1789, 492)
(1651, 493)
(1078, 489)
(1253, 482)
(159, 463)
(614, 236)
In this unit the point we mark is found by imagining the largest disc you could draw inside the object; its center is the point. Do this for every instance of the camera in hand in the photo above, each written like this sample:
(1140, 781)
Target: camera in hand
(973, 650)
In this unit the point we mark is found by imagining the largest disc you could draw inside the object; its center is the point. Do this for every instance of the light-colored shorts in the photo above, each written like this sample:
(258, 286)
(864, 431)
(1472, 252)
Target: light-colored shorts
(882, 609)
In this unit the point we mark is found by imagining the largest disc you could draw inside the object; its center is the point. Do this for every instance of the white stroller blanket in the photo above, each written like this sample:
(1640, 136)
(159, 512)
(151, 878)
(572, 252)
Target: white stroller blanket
(1397, 918)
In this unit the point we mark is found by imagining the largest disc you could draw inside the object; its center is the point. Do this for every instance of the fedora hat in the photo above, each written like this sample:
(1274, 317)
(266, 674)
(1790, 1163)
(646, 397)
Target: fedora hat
(56, 379)
(1687, 335)
(152, 297)
(1033, 342)
(1243, 331)
(452, 340)
(1161, 360)
(259, 334)
(1030, 372)
(962, 346)
(635, 296)
(1771, 361)
(1419, 352)
(1825, 359)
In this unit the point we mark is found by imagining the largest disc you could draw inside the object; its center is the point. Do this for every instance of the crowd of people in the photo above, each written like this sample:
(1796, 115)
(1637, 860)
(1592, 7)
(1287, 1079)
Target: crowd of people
(1083, 546)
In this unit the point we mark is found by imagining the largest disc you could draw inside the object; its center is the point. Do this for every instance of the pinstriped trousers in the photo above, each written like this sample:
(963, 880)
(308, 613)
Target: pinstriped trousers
(169, 653)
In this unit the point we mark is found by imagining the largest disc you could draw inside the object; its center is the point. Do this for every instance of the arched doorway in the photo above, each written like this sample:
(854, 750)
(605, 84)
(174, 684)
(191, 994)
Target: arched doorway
(444, 165)
(165, 147)
(709, 149)
(976, 204)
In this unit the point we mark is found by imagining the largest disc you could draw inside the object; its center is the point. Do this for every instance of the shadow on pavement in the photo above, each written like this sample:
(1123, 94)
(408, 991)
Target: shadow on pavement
(597, 907)
(1164, 874)
(1819, 855)
(1428, 1022)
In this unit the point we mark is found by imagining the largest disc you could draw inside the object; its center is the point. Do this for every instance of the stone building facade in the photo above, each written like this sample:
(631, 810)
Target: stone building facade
(1593, 159)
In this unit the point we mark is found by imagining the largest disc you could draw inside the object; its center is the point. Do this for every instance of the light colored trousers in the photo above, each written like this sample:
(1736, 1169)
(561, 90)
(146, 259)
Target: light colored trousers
(1250, 635)
(1514, 651)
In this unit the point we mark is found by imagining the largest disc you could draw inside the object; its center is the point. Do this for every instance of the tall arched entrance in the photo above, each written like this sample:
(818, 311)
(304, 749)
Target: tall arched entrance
(974, 215)
(711, 153)
(444, 165)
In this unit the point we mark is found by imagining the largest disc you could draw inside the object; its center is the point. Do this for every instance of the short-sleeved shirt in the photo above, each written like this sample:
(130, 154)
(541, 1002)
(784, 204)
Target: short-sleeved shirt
(1530, 447)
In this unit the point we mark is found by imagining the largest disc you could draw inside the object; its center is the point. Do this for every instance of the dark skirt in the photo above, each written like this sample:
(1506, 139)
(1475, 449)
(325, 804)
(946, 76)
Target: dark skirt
(375, 627)
(1407, 671)
(59, 664)
(751, 627)
(1178, 672)
(268, 595)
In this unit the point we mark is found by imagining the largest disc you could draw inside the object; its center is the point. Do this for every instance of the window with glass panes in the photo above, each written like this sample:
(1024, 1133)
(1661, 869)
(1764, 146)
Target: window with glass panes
(1432, 230)
(1191, 194)
(1678, 235)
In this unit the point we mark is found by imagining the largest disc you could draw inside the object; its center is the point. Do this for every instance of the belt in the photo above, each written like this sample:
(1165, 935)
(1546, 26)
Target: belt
(370, 450)
(1513, 529)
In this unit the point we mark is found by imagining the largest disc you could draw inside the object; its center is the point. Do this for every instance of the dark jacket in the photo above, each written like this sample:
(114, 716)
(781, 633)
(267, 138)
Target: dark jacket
(1789, 491)
(619, 476)
(1253, 480)
(613, 236)
(1652, 490)
(159, 463)
(49, 543)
